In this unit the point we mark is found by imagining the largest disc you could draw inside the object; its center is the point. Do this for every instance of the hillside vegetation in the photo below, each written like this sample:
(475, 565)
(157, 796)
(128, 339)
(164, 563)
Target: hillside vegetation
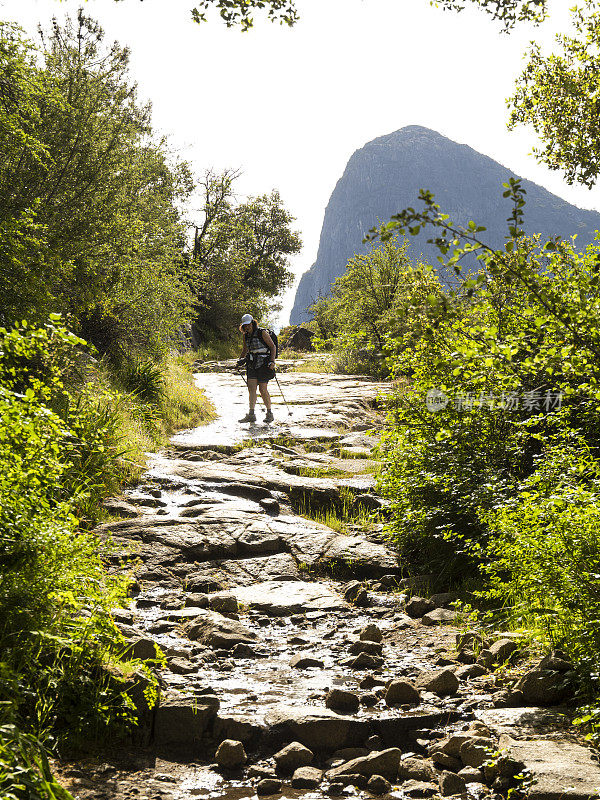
(491, 453)
(102, 295)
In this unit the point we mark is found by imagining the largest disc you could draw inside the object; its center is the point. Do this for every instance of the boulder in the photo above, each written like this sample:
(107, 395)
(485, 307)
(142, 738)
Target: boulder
(292, 756)
(501, 651)
(231, 754)
(366, 661)
(182, 721)
(542, 687)
(377, 784)
(476, 751)
(370, 633)
(383, 762)
(441, 681)
(342, 700)
(319, 729)
(439, 616)
(560, 768)
(451, 783)
(217, 631)
(142, 648)
(372, 648)
(306, 778)
(416, 607)
(399, 692)
(301, 339)
(416, 769)
(284, 598)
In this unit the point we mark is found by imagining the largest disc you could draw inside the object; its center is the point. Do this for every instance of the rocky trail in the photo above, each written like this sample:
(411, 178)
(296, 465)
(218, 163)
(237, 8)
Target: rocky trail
(296, 662)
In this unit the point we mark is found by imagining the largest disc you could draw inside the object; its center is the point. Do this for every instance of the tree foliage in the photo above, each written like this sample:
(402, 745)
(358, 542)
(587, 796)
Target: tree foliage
(240, 12)
(557, 95)
(240, 258)
(90, 220)
(379, 303)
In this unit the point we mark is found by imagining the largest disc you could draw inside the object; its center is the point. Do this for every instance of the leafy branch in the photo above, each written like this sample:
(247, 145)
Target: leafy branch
(513, 263)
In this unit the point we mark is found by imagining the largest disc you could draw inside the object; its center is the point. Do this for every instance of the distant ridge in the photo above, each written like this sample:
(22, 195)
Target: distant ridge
(385, 176)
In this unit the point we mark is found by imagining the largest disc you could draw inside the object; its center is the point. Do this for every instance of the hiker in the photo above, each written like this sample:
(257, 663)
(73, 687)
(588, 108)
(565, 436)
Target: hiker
(258, 354)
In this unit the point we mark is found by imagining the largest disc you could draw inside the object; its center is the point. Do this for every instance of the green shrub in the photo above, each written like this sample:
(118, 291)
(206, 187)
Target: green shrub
(59, 457)
(544, 553)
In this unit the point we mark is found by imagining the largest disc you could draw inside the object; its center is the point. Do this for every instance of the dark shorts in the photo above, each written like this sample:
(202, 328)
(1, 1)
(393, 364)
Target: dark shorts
(262, 374)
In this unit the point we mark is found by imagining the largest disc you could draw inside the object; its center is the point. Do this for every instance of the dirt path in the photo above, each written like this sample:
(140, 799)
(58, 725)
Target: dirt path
(270, 639)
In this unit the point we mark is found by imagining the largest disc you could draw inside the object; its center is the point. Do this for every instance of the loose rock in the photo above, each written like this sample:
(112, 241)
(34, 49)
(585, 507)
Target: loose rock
(502, 650)
(224, 603)
(418, 789)
(377, 784)
(543, 687)
(342, 700)
(399, 692)
(439, 616)
(451, 783)
(365, 661)
(471, 775)
(304, 662)
(442, 681)
(217, 631)
(372, 648)
(292, 756)
(476, 751)
(231, 754)
(417, 607)
(383, 762)
(371, 633)
(354, 592)
(268, 786)
(416, 769)
(306, 778)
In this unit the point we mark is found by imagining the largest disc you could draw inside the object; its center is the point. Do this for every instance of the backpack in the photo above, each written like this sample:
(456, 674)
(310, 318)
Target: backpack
(273, 336)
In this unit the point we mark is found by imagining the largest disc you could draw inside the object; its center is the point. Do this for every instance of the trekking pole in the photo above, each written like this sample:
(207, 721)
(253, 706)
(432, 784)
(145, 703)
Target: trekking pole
(284, 400)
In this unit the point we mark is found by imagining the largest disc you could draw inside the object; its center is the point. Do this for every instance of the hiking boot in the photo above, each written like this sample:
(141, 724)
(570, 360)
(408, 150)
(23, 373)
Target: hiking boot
(269, 416)
(250, 417)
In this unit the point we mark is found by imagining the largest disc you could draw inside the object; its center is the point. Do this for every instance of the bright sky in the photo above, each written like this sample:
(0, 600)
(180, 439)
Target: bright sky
(290, 106)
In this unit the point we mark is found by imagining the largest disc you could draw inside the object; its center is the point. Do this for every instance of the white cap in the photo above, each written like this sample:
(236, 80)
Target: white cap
(247, 319)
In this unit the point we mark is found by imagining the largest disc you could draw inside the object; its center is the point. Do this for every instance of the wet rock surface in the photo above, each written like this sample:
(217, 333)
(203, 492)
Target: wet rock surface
(292, 657)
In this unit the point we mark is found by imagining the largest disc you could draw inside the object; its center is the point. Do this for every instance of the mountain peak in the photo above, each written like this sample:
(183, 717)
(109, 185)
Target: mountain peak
(385, 176)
